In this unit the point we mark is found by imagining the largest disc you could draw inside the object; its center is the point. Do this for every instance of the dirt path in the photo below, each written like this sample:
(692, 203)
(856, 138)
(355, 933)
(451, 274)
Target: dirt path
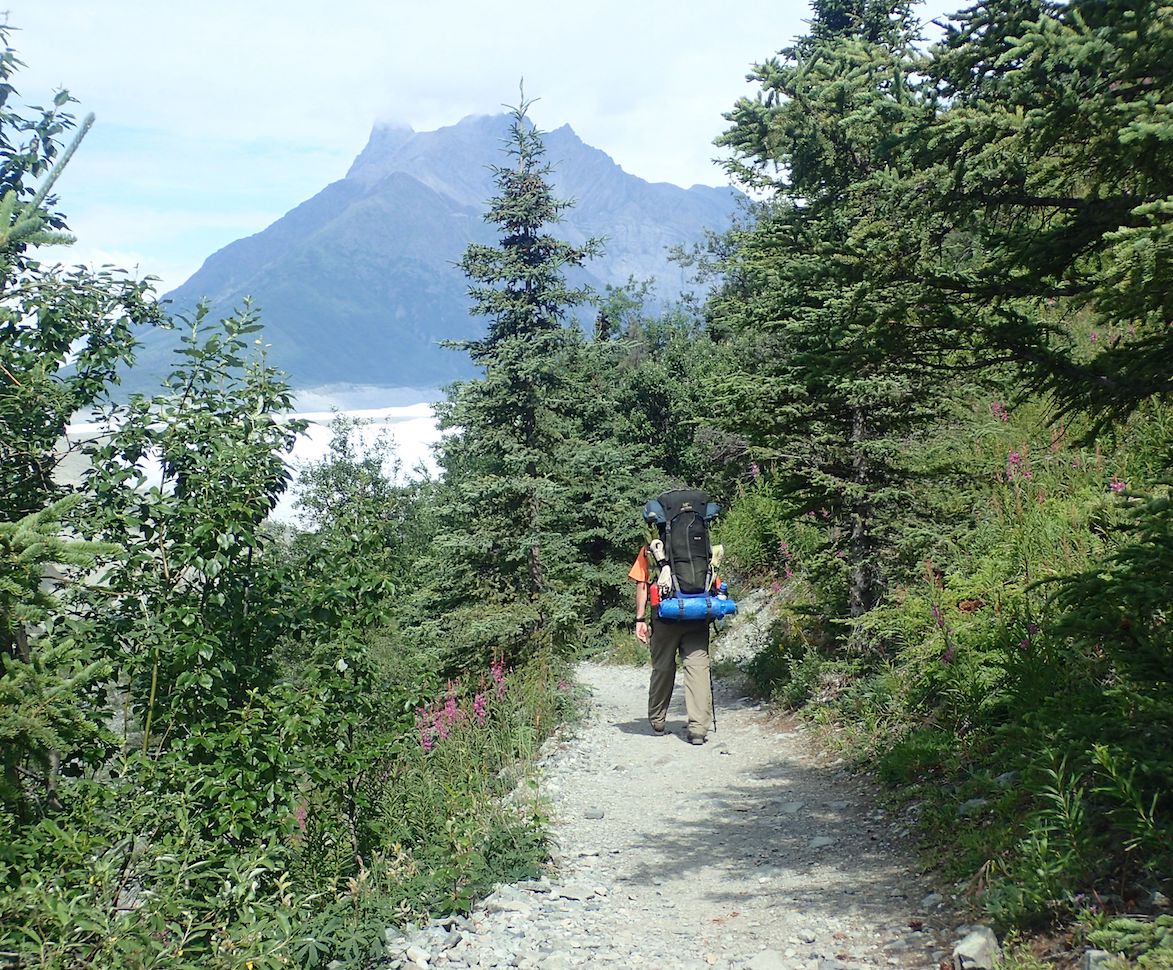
(745, 845)
(748, 852)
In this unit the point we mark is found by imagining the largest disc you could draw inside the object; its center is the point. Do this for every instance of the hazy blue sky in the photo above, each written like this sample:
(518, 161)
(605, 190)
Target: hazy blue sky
(216, 117)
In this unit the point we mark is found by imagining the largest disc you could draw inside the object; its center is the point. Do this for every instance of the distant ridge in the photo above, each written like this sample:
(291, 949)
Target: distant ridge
(359, 283)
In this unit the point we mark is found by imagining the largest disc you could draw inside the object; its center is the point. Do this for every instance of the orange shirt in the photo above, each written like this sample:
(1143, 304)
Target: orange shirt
(641, 573)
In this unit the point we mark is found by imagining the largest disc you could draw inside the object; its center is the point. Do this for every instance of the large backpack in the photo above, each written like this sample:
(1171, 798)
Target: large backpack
(685, 556)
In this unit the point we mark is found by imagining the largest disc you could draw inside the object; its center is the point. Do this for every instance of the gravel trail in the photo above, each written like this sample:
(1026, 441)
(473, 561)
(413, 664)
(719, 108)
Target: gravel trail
(749, 852)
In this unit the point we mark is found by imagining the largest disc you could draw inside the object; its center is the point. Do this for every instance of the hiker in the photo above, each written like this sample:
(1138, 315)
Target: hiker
(675, 572)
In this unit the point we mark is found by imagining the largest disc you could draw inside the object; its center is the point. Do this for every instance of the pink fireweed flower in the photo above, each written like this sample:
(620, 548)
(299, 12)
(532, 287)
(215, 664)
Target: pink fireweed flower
(1024, 644)
(947, 656)
(1014, 466)
(1117, 485)
(754, 471)
(497, 669)
(998, 410)
(937, 617)
(299, 815)
(451, 704)
(480, 708)
(1094, 336)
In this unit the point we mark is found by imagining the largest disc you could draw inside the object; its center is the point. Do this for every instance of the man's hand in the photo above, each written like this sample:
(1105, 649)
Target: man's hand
(641, 631)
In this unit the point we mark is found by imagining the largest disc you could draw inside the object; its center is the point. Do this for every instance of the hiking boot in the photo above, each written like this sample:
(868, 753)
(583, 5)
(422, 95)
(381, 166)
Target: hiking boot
(696, 739)
(657, 729)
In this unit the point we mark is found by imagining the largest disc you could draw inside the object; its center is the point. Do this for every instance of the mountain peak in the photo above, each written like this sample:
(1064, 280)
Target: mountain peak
(359, 283)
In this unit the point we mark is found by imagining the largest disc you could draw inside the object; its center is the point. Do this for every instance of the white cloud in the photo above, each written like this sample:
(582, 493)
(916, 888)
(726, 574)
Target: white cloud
(252, 106)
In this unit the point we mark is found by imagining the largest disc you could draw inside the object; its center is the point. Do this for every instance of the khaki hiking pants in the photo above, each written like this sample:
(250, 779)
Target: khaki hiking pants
(691, 641)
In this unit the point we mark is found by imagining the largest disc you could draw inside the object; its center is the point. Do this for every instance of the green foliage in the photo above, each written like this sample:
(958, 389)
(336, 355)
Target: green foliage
(932, 383)
(190, 625)
(1150, 943)
(640, 427)
(828, 383)
(366, 527)
(499, 556)
(50, 676)
(63, 332)
(624, 650)
(1051, 117)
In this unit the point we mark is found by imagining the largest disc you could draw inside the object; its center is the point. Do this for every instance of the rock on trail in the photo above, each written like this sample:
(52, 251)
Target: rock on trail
(749, 852)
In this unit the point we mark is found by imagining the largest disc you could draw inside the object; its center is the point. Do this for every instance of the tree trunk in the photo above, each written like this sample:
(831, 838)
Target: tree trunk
(861, 596)
(537, 583)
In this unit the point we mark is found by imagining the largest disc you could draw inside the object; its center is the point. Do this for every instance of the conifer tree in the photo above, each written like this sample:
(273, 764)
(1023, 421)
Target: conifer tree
(1054, 173)
(640, 426)
(812, 295)
(500, 556)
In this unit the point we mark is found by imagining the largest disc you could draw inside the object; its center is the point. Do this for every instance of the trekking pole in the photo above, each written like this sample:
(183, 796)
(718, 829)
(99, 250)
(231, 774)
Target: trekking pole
(712, 699)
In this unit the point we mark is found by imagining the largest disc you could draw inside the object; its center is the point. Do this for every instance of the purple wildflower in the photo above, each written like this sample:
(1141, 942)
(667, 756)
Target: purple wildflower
(937, 617)
(497, 669)
(947, 656)
(1117, 485)
(480, 708)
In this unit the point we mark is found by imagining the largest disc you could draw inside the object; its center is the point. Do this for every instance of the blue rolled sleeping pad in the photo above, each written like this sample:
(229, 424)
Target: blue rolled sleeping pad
(696, 606)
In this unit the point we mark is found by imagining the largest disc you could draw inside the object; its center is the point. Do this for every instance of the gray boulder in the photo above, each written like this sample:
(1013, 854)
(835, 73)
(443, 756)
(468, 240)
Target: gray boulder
(978, 951)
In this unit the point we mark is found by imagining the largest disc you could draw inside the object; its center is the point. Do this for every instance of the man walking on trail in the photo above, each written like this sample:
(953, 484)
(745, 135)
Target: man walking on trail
(666, 639)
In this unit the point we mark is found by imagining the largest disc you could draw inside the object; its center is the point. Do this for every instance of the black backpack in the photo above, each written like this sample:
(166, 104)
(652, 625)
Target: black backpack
(682, 518)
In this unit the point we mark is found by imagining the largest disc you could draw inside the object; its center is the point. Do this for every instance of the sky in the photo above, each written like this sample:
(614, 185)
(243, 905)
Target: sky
(216, 117)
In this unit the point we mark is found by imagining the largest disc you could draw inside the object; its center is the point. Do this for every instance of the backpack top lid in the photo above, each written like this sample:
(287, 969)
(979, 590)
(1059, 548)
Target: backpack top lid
(663, 509)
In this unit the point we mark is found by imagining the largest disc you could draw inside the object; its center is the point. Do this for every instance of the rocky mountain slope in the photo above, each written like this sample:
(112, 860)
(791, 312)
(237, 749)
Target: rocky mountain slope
(360, 283)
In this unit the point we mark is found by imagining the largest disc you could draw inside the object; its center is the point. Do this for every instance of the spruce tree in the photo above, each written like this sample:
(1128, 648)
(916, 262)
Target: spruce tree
(501, 557)
(641, 425)
(1054, 174)
(824, 385)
